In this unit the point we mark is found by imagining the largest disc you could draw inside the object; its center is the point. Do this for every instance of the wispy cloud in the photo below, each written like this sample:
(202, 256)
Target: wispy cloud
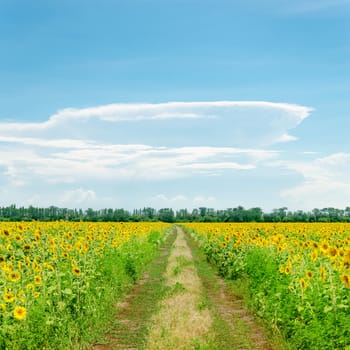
(71, 146)
(76, 197)
(108, 162)
(181, 201)
(231, 122)
(325, 182)
(83, 148)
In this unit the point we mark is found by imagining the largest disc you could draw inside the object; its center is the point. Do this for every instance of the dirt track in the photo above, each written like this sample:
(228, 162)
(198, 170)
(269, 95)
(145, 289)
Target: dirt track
(194, 310)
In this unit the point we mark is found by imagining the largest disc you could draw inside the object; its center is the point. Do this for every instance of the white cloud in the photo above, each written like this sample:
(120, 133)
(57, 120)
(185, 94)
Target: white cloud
(325, 182)
(77, 197)
(164, 198)
(107, 162)
(146, 111)
(59, 143)
(219, 165)
(286, 138)
(310, 152)
(117, 143)
(204, 201)
(333, 167)
(35, 200)
(165, 201)
(236, 123)
(181, 201)
(319, 194)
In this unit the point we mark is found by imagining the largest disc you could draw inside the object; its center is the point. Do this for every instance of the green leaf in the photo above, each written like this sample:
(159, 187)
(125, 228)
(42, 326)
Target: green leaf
(61, 305)
(50, 321)
(67, 291)
(328, 308)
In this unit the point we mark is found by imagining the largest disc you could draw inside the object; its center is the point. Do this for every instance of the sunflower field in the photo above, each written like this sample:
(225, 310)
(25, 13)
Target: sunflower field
(57, 280)
(298, 275)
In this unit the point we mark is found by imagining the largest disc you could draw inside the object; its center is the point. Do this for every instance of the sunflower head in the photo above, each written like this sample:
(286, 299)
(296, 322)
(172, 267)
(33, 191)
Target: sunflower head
(9, 297)
(37, 280)
(346, 280)
(76, 271)
(309, 274)
(20, 313)
(303, 283)
(323, 273)
(14, 276)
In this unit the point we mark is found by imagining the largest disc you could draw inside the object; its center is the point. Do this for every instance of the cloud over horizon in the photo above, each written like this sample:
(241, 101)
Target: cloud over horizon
(76, 151)
(99, 143)
(325, 182)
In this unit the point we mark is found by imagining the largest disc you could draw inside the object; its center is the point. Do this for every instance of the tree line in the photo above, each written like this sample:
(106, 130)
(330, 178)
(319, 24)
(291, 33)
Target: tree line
(202, 214)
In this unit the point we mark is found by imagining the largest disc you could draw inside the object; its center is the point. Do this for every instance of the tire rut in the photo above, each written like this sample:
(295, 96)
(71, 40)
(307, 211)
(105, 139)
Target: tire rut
(133, 313)
(230, 308)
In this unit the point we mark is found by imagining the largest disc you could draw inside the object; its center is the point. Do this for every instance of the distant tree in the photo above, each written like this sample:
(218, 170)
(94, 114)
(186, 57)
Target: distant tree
(202, 214)
(166, 215)
(183, 215)
(254, 214)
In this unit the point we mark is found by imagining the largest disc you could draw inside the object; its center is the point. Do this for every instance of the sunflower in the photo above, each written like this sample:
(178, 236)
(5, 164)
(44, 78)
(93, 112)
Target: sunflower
(86, 246)
(323, 273)
(18, 237)
(303, 283)
(76, 271)
(3, 308)
(69, 235)
(30, 286)
(346, 280)
(49, 266)
(346, 263)
(288, 267)
(27, 247)
(36, 266)
(332, 252)
(324, 246)
(347, 253)
(20, 313)
(309, 274)
(9, 297)
(314, 255)
(37, 280)
(14, 276)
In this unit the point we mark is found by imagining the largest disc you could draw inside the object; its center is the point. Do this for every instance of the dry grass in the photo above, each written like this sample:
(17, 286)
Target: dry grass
(180, 323)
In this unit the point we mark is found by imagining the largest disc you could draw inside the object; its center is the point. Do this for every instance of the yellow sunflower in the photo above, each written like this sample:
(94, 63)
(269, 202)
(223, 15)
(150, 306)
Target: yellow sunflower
(9, 297)
(14, 276)
(37, 280)
(346, 280)
(20, 313)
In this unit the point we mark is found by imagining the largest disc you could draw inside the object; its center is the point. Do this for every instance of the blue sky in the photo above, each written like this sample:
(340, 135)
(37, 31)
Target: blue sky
(175, 103)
